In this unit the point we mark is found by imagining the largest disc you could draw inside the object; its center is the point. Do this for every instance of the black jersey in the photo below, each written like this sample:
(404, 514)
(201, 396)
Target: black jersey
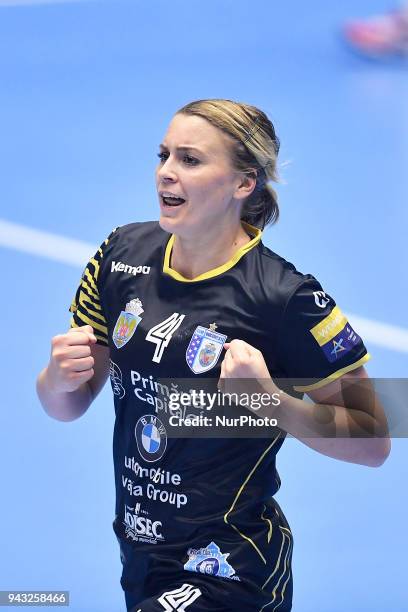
(204, 505)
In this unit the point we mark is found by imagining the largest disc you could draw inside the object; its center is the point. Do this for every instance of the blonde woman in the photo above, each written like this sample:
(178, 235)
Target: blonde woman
(198, 296)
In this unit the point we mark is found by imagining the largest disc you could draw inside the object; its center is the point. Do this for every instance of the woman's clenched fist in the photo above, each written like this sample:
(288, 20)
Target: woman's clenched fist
(71, 362)
(243, 370)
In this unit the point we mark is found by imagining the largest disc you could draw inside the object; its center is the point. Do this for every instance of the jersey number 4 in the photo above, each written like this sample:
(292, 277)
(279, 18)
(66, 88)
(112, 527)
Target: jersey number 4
(162, 333)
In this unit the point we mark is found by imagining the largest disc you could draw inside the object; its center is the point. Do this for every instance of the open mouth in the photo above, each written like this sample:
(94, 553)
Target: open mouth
(173, 202)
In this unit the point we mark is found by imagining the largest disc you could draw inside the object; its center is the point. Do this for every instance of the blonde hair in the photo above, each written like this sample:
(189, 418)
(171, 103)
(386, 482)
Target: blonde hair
(253, 144)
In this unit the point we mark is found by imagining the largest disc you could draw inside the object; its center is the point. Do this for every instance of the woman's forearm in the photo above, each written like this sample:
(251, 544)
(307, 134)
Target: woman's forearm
(343, 433)
(65, 406)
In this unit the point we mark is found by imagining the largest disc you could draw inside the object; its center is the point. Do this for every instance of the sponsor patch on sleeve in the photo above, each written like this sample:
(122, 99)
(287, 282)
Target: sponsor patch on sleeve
(335, 335)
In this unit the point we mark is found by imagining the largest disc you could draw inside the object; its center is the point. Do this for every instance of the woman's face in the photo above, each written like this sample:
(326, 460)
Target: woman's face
(195, 165)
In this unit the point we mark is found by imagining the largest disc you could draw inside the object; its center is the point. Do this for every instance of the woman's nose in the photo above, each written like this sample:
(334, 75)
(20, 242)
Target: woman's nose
(166, 170)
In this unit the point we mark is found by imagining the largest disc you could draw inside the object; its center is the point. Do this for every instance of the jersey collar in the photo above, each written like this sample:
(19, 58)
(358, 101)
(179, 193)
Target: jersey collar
(253, 231)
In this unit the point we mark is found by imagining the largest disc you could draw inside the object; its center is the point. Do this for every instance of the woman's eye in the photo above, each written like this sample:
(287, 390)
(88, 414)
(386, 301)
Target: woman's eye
(191, 161)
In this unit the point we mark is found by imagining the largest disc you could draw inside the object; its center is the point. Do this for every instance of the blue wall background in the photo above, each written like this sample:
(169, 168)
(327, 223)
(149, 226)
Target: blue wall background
(87, 90)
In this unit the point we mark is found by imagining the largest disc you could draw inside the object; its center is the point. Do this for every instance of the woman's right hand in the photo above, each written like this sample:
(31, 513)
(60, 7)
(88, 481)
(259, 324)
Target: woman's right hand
(71, 362)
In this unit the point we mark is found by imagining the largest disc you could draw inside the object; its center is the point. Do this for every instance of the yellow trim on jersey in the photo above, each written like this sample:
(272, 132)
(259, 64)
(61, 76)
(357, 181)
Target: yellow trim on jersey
(85, 300)
(275, 569)
(255, 231)
(331, 325)
(286, 566)
(73, 307)
(261, 458)
(97, 336)
(91, 281)
(89, 290)
(94, 324)
(270, 524)
(335, 375)
(95, 263)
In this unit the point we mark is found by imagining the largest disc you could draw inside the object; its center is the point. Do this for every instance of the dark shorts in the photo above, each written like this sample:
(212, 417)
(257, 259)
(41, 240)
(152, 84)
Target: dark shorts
(156, 579)
(163, 587)
(206, 595)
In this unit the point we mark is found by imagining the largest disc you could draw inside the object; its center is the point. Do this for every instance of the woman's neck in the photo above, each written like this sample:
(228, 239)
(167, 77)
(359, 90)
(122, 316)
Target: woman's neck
(194, 256)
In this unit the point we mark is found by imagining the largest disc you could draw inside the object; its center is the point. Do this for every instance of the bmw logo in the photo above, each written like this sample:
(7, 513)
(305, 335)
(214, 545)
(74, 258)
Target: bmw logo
(151, 437)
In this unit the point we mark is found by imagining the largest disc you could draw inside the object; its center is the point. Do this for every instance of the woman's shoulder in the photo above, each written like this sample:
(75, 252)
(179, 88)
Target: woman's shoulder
(137, 228)
(280, 276)
(140, 233)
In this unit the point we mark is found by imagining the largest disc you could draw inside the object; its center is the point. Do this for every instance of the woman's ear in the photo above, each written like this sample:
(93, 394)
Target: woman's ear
(247, 183)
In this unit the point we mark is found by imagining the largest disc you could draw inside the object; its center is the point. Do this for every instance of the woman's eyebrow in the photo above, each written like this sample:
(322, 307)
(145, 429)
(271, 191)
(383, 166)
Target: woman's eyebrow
(183, 148)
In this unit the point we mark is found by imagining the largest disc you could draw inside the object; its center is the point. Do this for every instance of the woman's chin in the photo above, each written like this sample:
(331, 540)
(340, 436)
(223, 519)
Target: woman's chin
(168, 224)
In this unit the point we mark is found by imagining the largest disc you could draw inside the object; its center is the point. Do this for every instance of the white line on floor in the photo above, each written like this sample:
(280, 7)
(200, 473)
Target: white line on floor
(45, 244)
(77, 253)
(381, 334)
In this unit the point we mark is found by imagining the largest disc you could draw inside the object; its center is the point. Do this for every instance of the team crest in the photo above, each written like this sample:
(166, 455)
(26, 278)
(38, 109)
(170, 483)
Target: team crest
(210, 560)
(127, 322)
(204, 349)
(151, 438)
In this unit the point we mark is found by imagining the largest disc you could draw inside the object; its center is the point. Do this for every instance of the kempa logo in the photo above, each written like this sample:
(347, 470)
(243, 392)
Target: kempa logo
(121, 267)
